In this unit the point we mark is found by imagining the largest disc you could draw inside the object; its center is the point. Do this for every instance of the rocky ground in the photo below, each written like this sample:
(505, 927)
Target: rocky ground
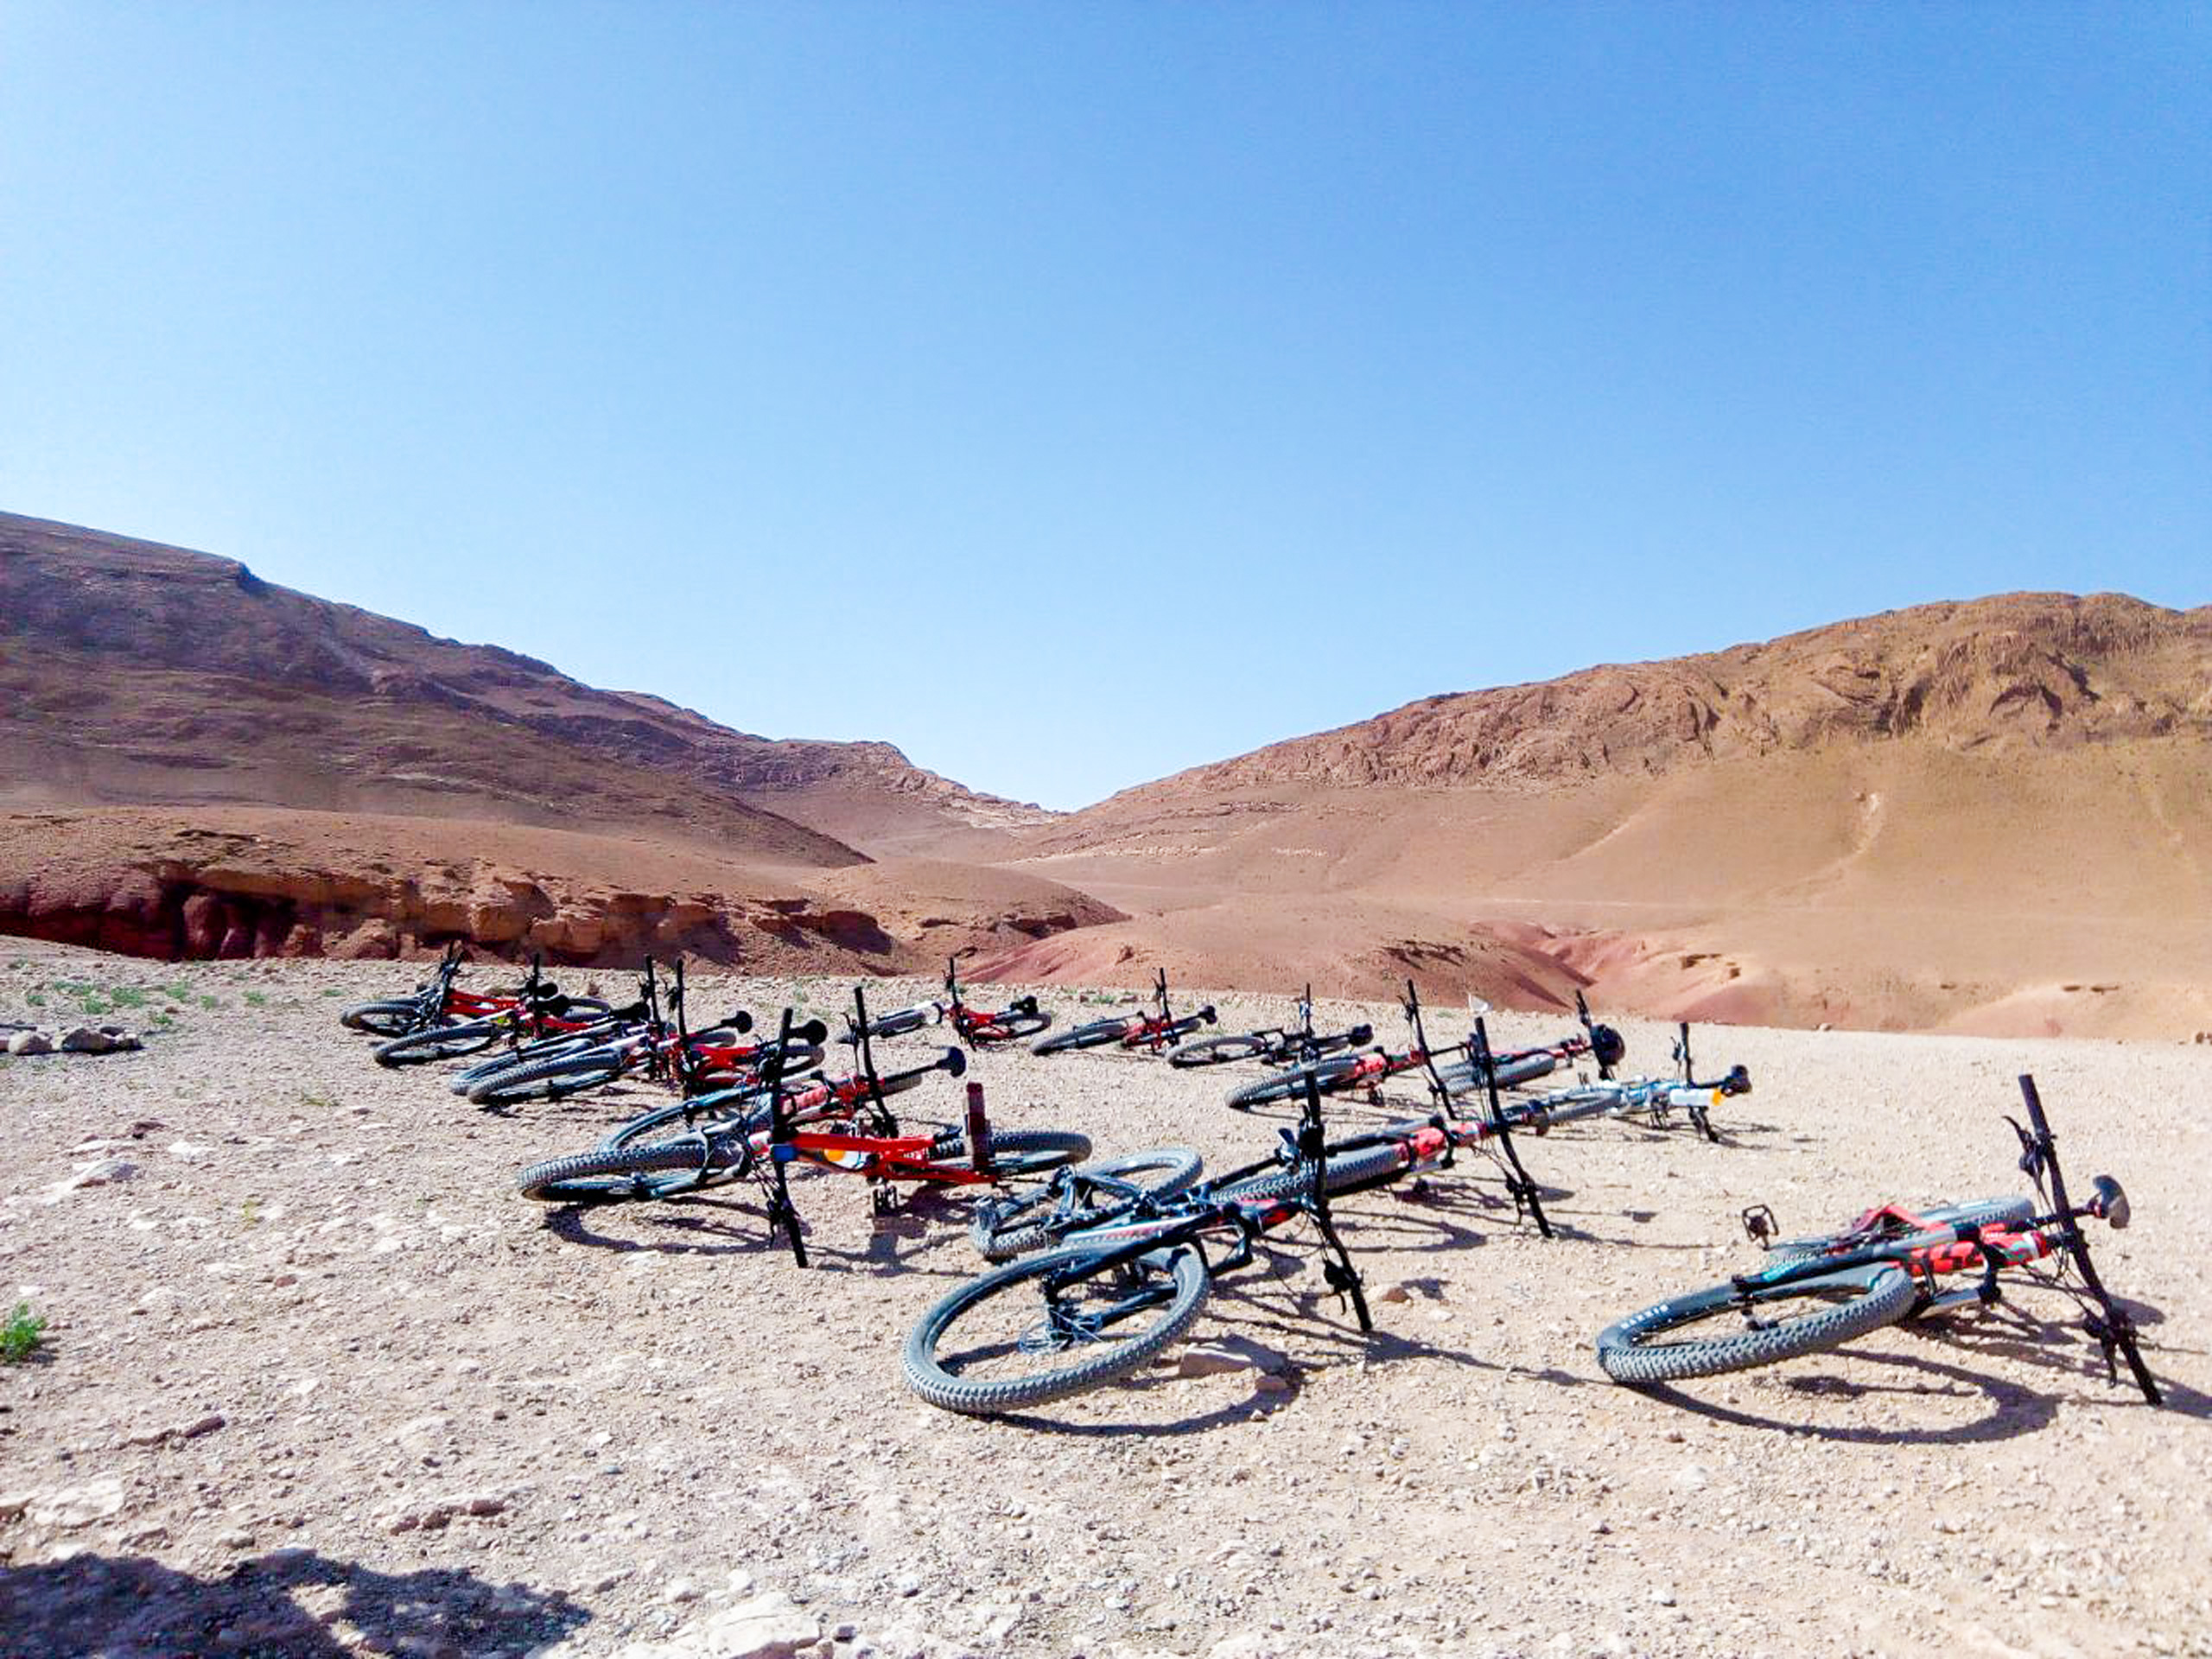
(313, 1381)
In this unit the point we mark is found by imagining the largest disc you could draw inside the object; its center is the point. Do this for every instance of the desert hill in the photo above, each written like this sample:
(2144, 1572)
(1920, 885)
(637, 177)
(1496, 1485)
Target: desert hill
(2030, 671)
(1993, 816)
(138, 673)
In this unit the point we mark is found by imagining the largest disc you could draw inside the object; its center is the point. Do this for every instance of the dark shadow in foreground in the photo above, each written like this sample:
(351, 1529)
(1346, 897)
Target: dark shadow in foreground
(292, 1602)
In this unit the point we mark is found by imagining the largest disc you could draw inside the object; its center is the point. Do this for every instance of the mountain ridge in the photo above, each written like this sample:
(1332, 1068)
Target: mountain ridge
(1710, 704)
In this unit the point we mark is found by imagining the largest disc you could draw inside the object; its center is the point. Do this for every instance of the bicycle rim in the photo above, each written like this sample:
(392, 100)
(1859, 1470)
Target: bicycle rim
(1000, 1342)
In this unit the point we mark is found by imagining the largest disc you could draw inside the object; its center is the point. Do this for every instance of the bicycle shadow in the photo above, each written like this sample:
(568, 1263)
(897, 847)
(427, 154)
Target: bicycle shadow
(720, 1222)
(1437, 1201)
(2009, 1331)
(2016, 1408)
(292, 1602)
(1263, 1313)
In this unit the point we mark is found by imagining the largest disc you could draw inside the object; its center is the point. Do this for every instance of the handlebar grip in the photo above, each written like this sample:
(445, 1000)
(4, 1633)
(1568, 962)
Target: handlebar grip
(812, 1031)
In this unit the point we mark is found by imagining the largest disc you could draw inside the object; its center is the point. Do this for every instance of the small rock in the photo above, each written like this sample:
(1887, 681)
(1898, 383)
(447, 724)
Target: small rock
(240, 1540)
(67, 1508)
(1208, 1359)
(1268, 1383)
(1398, 1294)
(769, 1626)
(484, 1504)
(207, 1425)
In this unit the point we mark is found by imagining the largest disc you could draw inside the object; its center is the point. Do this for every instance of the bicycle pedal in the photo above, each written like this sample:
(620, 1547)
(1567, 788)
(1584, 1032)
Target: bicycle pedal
(1760, 1226)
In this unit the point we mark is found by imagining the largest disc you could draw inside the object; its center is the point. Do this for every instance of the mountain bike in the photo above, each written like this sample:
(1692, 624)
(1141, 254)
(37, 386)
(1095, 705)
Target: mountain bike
(976, 1027)
(1368, 1072)
(538, 1013)
(439, 1001)
(1125, 1282)
(1889, 1265)
(1273, 1045)
(864, 1139)
(1596, 1042)
(656, 1043)
(1651, 1100)
(1151, 1031)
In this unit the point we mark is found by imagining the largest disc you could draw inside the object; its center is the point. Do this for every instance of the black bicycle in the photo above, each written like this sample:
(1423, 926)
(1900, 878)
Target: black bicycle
(1272, 1045)
(1152, 1030)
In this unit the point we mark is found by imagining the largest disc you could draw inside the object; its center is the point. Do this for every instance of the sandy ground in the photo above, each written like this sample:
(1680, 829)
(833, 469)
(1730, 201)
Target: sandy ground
(315, 1381)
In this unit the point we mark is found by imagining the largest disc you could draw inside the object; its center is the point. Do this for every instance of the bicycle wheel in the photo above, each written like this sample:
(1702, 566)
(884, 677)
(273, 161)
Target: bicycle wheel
(392, 1018)
(1341, 1167)
(1981, 1212)
(659, 1169)
(1098, 1032)
(529, 1054)
(1001, 1341)
(1018, 1154)
(728, 1108)
(440, 1043)
(1012, 1026)
(1217, 1051)
(904, 1021)
(1786, 1321)
(564, 1074)
(1006, 1227)
(1329, 1077)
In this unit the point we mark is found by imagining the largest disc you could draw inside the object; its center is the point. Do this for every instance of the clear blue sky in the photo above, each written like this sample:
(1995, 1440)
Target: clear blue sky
(1069, 393)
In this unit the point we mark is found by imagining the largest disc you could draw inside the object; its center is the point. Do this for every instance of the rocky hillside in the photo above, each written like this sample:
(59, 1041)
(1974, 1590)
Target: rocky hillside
(1993, 816)
(2030, 670)
(135, 672)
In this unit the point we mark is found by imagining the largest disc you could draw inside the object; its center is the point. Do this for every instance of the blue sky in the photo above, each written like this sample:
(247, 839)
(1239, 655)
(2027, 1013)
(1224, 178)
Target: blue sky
(1073, 393)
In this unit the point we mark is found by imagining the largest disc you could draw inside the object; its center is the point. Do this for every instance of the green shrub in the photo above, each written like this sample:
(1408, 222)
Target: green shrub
(21, 1336)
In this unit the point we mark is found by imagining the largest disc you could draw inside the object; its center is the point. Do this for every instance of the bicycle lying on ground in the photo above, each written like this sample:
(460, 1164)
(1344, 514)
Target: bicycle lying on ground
(1368, 1072)
(1127, 1279)
(762, 1138)
(1651, 1101)
(1274, 1044)
(535, 1012)
(976, 1027)
(439, 1001)
(1151, 1031)
(656, 1043)
(1818, 1292)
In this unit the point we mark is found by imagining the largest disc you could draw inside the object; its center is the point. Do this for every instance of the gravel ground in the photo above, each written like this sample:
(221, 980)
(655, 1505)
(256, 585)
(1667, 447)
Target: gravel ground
(314, 1381)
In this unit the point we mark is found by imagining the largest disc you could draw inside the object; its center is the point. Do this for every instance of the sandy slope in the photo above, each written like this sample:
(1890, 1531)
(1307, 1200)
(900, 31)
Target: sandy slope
(1897, 886)
(315, 1312)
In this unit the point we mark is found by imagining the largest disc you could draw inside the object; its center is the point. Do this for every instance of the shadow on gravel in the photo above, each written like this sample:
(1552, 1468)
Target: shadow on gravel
(292, 1602)
(1260, 1308)
(721, 1223)
(2015, 1410)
